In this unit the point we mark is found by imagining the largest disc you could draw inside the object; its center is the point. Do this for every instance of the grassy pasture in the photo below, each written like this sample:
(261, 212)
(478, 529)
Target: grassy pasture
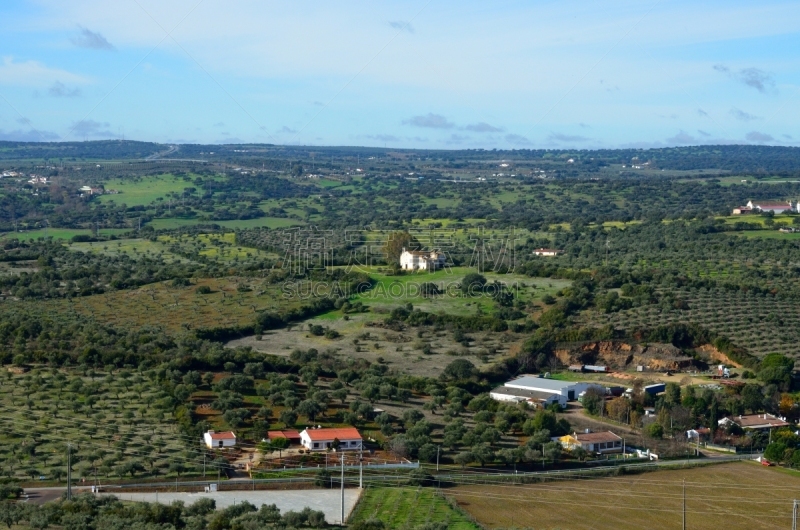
(742, 495)
(59, 233)
(757, 219)
(177, 309)
(768, 234)
(409, 508)
(391, 291)
(130, 247)
(218, 247)
(169, 223)
(144, 190)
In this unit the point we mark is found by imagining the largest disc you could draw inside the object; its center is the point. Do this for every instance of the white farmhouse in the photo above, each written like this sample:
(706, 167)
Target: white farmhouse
(322, 439)
(219, 440)
(412, 260)
(547, 252)
(772, 206)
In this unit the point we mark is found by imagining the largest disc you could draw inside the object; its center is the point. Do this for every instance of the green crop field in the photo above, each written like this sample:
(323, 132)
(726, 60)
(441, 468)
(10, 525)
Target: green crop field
(144, 190)
(409, 508)
(59, 233)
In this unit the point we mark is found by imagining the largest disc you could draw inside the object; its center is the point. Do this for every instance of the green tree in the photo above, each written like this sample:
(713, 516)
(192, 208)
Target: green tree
(396, 242)
(472, 283)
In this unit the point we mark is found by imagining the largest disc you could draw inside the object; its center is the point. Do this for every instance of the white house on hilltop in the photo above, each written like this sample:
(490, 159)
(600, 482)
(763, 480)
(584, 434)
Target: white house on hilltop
(411, 260)
(219, 440)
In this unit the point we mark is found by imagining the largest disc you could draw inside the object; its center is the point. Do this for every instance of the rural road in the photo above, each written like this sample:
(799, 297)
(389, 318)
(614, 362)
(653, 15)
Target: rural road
(156, 156)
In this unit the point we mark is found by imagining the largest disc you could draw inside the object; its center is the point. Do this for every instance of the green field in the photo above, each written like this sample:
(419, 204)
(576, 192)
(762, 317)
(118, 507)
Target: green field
(391, 291)
(130, 247)
(267, 222)
(768, 234)
(144, 190)
(59, 233)
(409, 508)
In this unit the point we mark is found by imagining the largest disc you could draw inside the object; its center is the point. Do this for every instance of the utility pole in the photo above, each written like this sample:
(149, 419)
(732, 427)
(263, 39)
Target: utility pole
(794, 515)
(204, 464)
(342, 485)
(361, 466)
(684, 504)
(437, 458)
(69, 472)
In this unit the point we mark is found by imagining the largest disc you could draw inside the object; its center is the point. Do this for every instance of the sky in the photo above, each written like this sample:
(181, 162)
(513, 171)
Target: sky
(415, 74)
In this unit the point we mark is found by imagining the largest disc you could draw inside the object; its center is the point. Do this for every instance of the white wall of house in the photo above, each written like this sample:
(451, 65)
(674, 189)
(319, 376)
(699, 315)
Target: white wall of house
(218, 444)
(421, 260)
(322, 445)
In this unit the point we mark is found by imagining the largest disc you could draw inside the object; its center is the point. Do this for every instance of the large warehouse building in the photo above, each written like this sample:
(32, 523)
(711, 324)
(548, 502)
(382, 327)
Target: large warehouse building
(540, 390)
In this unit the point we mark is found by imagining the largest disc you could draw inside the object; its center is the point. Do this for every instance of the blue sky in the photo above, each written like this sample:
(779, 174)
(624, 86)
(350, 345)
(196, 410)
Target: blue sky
(419, 73)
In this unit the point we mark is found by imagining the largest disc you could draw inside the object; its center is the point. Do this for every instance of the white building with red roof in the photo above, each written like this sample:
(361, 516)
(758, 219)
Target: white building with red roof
(219, 440)
(774, 206)
(321, 439)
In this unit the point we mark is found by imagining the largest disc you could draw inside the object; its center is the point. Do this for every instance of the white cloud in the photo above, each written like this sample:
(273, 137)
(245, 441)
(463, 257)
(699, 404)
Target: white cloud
(758, 137)
(682, 138)
(430, 120)
(517, 139)
(752, 77)
(402, 26)
(383, 137)
(91, 40)
(60, 90)
(483, 127)
(31, 135)
(34, 74)
(92, 128)
(742, 115)
(557, 137)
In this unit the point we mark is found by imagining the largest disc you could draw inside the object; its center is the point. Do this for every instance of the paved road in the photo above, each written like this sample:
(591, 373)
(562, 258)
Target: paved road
(327, 501)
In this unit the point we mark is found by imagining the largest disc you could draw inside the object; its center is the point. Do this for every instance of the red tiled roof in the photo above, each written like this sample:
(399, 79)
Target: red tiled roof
(596, 437)
(770, 205)
(343, 433)
(291, 435)
(222, 435)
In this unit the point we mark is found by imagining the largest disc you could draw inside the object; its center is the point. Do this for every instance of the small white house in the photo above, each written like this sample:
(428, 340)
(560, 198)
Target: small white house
(219, 440)
(412, 260)
(321, 439)
(549, 252)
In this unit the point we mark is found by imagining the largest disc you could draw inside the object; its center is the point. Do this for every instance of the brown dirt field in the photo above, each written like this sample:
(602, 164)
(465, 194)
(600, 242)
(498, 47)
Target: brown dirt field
(742, 495)
(400, 350)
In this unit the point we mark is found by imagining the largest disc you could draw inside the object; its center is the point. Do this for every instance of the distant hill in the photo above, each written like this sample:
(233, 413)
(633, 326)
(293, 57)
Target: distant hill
(735, 158)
